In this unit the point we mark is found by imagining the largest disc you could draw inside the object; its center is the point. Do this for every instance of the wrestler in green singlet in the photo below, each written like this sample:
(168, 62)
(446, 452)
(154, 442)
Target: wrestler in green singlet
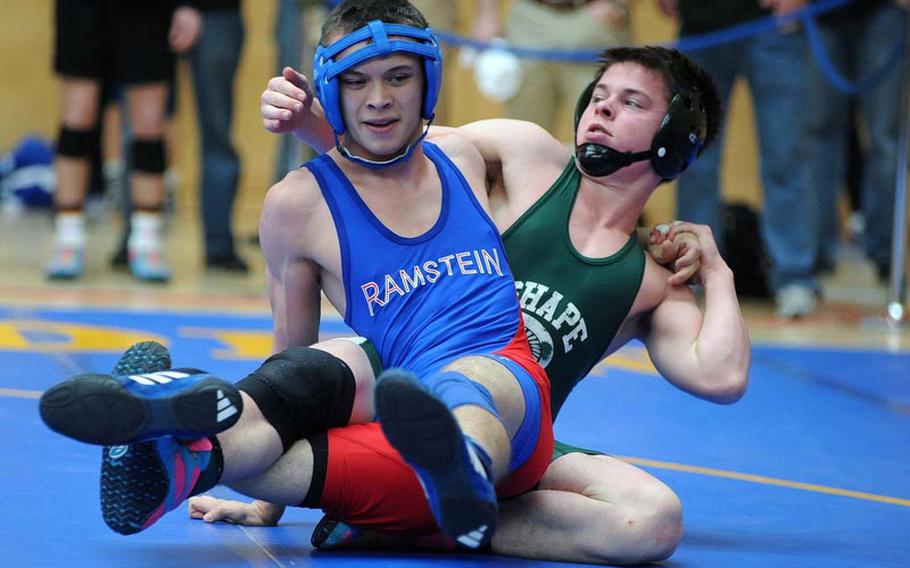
(573, 305)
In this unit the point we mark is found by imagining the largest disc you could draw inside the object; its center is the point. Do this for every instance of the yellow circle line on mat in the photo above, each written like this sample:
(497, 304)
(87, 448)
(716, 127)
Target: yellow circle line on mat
(19, 393)
(767, 480)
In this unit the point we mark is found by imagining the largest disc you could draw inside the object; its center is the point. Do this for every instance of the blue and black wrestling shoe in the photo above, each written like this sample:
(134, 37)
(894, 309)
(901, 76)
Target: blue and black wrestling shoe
(455, 479)
(131, 406)
(143, 480)
(140, 482)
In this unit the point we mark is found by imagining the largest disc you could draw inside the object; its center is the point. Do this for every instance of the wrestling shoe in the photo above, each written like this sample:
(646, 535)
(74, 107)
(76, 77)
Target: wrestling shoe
(143, 357)
(141, 482)
(134, 479)
(331, 534)
(112, 410)
(454, 478)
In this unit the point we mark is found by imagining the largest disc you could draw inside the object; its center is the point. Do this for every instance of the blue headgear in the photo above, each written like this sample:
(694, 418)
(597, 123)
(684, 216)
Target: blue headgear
(327, 69)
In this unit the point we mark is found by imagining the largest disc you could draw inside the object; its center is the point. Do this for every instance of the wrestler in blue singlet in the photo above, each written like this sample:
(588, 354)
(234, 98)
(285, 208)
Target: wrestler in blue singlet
(427, 300)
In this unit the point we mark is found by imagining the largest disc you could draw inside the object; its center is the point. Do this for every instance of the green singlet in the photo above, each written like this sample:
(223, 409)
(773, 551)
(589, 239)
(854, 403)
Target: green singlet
(573, 305)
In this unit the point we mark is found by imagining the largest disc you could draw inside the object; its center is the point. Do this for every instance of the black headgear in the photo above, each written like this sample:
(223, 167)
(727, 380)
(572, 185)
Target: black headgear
(675, 145)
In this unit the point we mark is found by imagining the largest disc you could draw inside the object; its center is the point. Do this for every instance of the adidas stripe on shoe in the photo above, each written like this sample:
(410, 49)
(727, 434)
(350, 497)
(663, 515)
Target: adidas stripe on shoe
(108, 410)
(458, 489)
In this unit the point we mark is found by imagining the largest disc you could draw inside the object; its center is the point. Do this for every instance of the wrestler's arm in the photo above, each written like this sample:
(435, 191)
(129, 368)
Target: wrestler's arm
(705, 352)
(292, 274)
(519, 147)
(288, 105)
(294, 294)
(516, 145)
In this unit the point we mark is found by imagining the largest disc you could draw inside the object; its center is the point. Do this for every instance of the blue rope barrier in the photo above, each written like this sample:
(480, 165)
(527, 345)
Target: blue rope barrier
(755, 27)
(713, 39)
(835, 77)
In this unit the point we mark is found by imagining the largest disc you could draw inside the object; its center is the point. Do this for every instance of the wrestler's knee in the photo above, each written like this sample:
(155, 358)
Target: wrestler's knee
(301, 391)
(641, 519)
(663, 525)
(654, 522)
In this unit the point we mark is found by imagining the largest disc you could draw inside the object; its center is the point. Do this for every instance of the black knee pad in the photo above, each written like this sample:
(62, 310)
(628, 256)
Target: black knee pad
(301, 391)
(74, 143)
(148, 156)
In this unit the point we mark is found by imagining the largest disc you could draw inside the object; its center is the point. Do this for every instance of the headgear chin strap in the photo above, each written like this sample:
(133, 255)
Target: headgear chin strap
(598, 160)
(401, 156)
(327, 68)
(675, 145)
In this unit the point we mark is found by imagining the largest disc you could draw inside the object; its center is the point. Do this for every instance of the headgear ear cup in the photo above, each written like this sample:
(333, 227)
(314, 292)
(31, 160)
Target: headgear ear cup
(680, 137)
(432, 67)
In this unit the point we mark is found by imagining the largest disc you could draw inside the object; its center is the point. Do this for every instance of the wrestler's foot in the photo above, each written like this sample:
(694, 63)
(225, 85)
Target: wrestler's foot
(141, 482)
(331, 534)
(109, 410)
(456, 483)
(143, 357)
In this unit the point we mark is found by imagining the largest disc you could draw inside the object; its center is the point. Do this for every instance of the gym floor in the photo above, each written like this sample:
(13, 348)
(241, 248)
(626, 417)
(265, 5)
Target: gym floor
(810, 468)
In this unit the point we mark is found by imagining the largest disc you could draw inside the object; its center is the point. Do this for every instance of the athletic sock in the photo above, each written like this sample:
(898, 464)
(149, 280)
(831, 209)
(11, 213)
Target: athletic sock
(70, 229)
(145, 235)
(145, 247)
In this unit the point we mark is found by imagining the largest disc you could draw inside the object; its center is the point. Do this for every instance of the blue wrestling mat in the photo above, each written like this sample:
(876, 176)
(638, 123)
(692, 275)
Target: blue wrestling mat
(810, 468)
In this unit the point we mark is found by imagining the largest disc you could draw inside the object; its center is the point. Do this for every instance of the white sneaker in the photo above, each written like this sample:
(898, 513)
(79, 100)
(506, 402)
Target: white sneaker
(67, 263)
(794, 301)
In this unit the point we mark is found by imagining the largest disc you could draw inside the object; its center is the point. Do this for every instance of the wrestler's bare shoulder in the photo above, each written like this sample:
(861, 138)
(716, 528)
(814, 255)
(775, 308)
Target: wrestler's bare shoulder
(456, 145)
(296, 194)
(463, 154)
(294, 212)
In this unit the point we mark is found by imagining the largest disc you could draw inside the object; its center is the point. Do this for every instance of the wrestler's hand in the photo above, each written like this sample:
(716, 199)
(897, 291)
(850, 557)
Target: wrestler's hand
(254, 514)
(287, 102)
(680, 252)
(709, 255)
